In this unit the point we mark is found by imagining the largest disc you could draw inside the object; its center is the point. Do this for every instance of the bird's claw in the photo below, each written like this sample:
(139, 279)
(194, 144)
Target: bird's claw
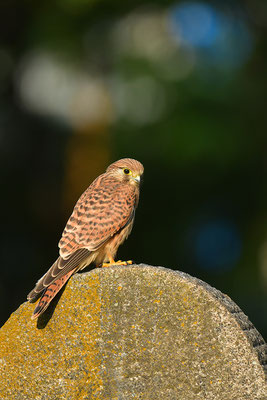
(119, 262)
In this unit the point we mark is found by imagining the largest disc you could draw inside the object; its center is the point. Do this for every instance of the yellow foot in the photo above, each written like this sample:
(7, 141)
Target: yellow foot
(109, 264)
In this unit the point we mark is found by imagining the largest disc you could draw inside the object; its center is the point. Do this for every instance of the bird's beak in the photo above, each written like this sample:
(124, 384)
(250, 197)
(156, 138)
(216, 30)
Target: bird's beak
(137, 178)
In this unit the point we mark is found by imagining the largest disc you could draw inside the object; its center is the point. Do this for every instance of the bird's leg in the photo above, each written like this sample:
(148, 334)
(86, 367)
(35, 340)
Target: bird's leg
(111, 261)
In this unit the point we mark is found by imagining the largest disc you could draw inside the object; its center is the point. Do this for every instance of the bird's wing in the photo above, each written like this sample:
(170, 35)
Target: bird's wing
(104, 209)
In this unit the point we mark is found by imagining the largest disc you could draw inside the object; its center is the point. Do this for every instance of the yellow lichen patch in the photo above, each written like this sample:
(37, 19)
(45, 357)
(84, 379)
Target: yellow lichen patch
(59, 350)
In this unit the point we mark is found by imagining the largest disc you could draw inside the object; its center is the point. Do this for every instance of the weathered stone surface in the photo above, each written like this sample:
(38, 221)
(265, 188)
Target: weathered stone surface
(136, 332)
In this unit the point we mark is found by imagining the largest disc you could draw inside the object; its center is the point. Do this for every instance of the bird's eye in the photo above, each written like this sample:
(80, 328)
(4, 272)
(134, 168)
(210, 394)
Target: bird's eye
(126, 171)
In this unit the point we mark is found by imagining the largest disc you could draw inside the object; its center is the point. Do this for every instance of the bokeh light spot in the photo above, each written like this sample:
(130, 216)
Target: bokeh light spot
(217, 245)
(48, 86)
(195, 23)
(140, 101)
(220, 39)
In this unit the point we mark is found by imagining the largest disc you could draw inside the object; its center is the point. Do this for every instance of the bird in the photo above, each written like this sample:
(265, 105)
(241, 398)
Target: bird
(101, 220)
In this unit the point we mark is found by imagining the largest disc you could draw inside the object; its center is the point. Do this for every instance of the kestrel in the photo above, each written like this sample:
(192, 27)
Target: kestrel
(100, 222)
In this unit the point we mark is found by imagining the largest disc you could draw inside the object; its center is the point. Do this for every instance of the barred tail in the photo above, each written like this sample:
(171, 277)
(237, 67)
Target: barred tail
(50, 293)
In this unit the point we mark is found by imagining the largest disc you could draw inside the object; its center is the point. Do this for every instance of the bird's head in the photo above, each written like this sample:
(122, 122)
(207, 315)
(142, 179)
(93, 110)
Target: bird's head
(127, 170)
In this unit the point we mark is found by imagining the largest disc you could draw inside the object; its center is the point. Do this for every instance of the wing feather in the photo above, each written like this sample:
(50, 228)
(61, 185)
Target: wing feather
(104, 209)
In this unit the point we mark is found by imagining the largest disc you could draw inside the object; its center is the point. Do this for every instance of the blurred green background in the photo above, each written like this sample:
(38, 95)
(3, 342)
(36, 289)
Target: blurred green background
(180, 86)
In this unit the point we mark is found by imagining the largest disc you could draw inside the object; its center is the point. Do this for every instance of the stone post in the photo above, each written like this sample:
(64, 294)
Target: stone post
(135, 332)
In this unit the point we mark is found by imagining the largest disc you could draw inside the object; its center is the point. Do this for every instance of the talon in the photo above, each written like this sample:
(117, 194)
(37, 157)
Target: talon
(120, 262)
(129, 262)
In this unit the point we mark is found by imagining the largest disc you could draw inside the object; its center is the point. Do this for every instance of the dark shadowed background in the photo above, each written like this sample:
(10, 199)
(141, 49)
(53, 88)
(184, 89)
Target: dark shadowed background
(180, 86)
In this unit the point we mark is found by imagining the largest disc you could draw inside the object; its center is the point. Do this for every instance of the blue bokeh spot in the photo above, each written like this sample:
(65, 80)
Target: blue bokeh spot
(220, 39)
(196, 23)
(217, 245)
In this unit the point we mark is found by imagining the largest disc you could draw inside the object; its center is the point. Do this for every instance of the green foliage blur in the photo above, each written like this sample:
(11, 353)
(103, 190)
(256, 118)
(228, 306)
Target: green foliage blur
(180, 86)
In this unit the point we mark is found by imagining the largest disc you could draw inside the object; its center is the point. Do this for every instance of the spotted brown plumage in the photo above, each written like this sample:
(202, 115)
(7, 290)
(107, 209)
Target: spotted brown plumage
(100, 222)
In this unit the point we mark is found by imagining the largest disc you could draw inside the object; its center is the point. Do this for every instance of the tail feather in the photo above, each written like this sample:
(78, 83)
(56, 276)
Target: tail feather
(50, 292)
(59, 269)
